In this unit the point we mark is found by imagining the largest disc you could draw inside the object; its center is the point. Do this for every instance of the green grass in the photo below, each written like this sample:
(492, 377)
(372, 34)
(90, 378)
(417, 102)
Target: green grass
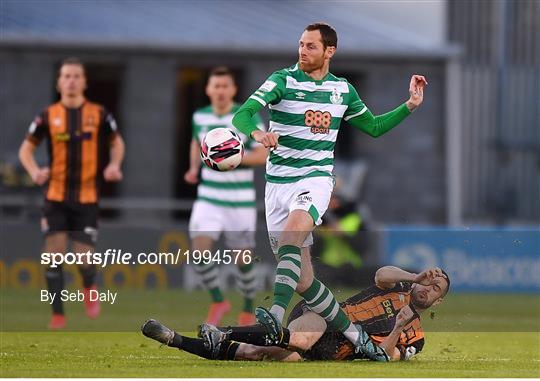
(470, 336)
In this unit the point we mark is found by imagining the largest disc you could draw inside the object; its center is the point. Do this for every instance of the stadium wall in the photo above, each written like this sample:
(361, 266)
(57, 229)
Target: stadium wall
(411, 158)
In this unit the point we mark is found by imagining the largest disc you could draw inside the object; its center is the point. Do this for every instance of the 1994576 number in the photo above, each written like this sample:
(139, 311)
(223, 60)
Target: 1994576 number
(225, 257)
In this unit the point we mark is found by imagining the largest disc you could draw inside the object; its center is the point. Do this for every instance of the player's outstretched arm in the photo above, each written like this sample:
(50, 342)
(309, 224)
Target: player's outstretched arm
(376, 126)
(379, 125)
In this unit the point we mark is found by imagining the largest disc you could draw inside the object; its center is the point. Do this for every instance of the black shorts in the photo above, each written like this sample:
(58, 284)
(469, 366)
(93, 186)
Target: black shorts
(78, 220)
(328, 346)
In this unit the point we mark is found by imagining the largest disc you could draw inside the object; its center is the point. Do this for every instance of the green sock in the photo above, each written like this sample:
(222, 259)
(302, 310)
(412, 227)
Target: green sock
(210, 278)
(216, 295)
(248, 305)
(321, 301)
(247, 284)
(287, 276)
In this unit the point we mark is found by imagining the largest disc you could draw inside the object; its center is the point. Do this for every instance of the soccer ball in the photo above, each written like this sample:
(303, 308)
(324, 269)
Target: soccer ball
(222, 149)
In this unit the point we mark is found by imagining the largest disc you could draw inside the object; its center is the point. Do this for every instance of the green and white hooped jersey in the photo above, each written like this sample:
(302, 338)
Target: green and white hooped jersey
(306, 114)
(233, 188)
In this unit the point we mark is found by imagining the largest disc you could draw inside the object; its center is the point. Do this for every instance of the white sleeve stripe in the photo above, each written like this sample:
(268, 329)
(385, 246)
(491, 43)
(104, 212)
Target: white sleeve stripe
(357, 114)
(258, 99)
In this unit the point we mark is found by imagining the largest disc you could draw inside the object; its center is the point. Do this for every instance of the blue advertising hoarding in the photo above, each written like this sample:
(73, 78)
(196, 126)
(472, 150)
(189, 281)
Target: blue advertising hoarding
(476, 259)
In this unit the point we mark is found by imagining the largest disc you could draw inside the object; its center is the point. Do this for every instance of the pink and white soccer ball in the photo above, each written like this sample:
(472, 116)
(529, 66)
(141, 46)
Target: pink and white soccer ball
(222, 149)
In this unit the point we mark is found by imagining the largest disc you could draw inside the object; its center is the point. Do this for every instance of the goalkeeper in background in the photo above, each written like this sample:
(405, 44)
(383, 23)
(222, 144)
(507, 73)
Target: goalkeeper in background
(225, 200)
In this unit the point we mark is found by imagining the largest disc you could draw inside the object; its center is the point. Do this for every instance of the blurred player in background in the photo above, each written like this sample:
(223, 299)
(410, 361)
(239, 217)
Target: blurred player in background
(387, 314)
(225, 200)
(77, 131)
(307, 104)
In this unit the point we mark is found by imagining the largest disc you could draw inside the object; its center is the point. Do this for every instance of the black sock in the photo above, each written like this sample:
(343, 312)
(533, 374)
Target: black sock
(191, 345)
(88, 273)
(55, 284)
(227, 350)
(284, 342)
(256, 335)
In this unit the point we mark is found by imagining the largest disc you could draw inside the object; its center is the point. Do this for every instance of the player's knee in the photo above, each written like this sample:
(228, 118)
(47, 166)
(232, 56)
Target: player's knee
(300, 341)
(55, 243)
(291, 237)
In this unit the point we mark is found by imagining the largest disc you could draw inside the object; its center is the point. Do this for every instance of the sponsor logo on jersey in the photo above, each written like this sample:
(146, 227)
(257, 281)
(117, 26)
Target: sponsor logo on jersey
(78, 135)
(388, 308)
(336, 97)
(63, 137)
(300, 95)
(319, 121)
(85, 135)
(268, 86)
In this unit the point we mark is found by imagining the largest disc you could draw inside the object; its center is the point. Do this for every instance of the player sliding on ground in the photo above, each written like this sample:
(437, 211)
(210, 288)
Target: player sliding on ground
(387, 315)
(307, 104)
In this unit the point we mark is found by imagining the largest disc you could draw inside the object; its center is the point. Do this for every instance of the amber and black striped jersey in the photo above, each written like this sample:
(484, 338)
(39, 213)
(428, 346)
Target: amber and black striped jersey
(76, 140)
(375, 310)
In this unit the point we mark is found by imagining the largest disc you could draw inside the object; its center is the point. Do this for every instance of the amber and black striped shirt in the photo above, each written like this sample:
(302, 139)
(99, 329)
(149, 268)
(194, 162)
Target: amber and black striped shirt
(376, 310)
(76, 140)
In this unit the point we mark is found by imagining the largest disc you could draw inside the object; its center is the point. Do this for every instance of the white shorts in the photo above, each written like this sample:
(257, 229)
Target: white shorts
(311, 194)
(237, 224)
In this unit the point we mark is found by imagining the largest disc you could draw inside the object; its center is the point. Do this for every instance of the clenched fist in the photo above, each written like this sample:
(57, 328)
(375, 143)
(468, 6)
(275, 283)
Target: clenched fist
(112, 173)
(267, 139)
(41, 175)
(404, 316)
(192, 176)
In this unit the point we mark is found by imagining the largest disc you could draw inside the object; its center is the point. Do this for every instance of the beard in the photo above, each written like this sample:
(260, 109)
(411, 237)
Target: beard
(420, 302)
(308, 67)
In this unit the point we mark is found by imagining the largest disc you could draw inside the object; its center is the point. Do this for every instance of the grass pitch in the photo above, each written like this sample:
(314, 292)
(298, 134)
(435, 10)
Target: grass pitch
(469, 336)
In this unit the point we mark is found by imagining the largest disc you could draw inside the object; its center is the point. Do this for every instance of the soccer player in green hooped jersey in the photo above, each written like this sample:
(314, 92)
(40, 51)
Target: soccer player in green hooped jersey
(225, 200)
(306, 105)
